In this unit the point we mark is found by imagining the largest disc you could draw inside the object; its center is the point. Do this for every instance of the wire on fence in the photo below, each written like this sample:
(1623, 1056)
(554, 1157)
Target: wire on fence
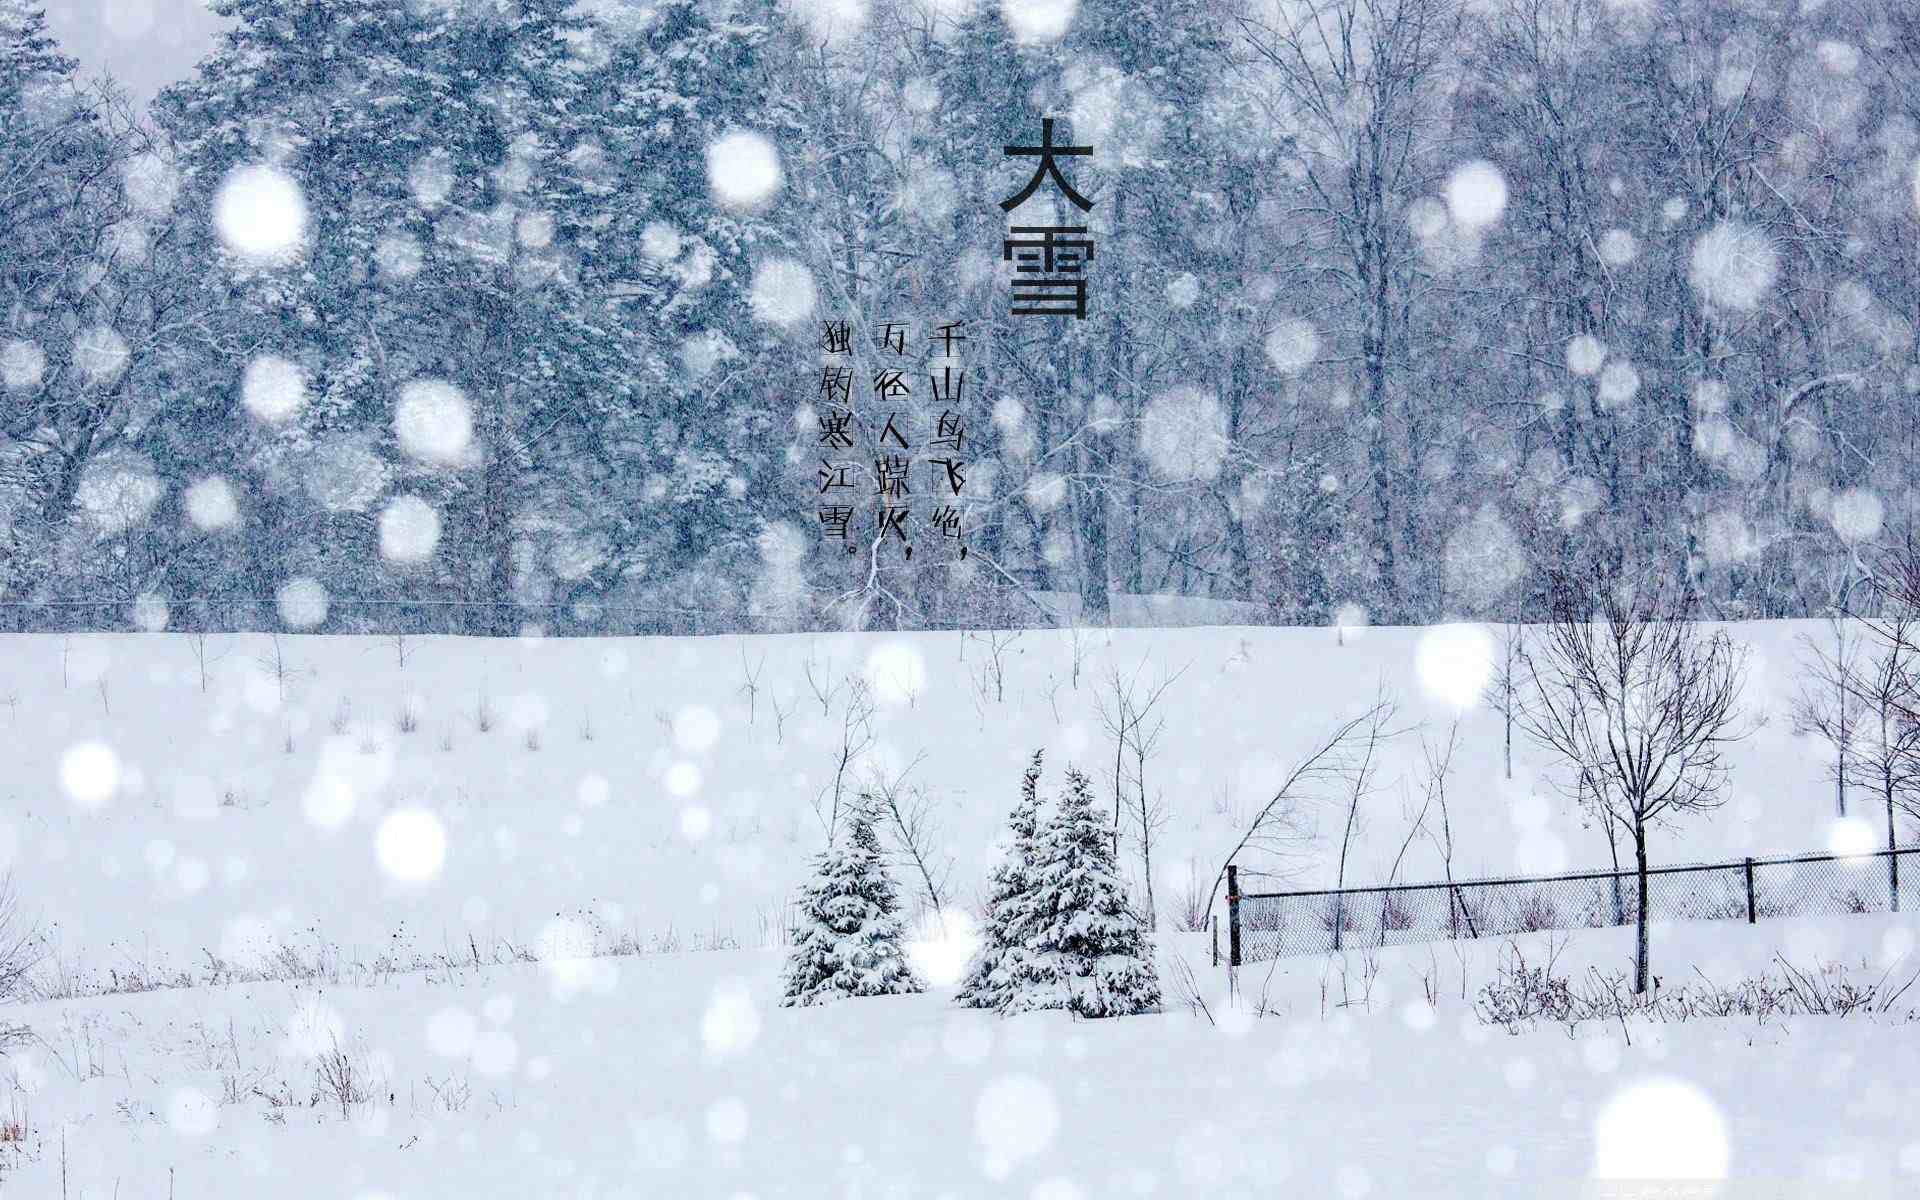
(1268, 925)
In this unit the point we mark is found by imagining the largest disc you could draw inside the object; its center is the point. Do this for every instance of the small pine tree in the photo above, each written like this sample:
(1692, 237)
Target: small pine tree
(991, 975)
(848, 943)
(1088, 950)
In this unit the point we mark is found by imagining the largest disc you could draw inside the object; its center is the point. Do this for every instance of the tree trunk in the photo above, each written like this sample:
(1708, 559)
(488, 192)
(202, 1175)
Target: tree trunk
(1640, 976)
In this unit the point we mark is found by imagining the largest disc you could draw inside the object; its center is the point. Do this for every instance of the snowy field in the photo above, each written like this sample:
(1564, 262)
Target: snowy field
(360, 806)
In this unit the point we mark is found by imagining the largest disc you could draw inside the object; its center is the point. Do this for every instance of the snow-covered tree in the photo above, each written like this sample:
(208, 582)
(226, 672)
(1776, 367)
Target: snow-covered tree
(848, 942)
(1087, 950)
(997, 967)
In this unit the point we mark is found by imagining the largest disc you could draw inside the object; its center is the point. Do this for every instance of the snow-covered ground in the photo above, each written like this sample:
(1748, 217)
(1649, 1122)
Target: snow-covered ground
(677, 1076)
(657, 792)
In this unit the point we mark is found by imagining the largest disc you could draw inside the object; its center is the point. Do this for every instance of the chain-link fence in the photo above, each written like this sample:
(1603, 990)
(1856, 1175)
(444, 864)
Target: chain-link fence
(1264, 925)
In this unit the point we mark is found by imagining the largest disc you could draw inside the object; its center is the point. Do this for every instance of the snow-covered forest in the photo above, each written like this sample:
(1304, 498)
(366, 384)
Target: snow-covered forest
(513, 311)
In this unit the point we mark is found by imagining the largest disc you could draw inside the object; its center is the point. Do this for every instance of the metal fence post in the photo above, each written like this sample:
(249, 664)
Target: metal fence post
(1750, 912)
(1233, 915)
(1215, 922)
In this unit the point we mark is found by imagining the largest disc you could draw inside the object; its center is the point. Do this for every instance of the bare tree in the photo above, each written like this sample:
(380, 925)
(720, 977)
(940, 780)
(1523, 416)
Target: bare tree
(856, 738)
(1279, 827)
(913, 817)
(1439, 763)
(1506, 691)
(1640, 702)
(1359, 769)
(1832, 701)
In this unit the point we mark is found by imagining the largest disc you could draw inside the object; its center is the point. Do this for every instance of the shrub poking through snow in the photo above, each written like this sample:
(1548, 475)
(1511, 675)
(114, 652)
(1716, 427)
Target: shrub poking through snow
(848, 939)
(996, 968)
(1086, 949)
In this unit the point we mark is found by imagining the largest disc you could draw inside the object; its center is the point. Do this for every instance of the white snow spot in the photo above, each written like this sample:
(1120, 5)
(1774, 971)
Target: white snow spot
(152, 184)
(1032, 21)
(896, 672)
(431, 179)
(1539, 852)
(696, 729)
(831, 21)
(273, 389)
(743, 169)
(302, 602)
(192, 1113)
(1851, 837)
(1183, 434)
(212, 504)
(1619, 383)
(783, 293)
(411, 845)
(1660, 1128)
(118, 491)
(90, 774)
(683, 779)
(1454, 663)
(398, 256)
(696, 821)
(1350, 619)
(565, 950)
(23, 364)
(1182, 290)
(1292, 345)
(941, 945)
(594, 791)
(261, 214)
(345, 472)
(727, 1121)
(1733, 265)
(1476, 194)
(660, 241)
(1015, 1118)
(1483, 558)
(660, 1143)
(101, 354)
(535, 230)
(1618, 247)
(313, 1029)
(150, 611)
(1585, 353)
(1857, 515)
(731, 1021)
(434, 422)
(409, 530)
(1726, 537)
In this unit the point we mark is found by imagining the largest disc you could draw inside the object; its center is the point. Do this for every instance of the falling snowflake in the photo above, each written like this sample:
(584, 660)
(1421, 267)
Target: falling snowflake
(1733, 265)
(1619, 383)
(22, 364)
(118, 491)
(101, 354)
(1483, 558)
(434, 422)
(409, 530)
(273, 389)
(302, 602)
(1857, 515)
(1585, 353)
(411, 845)
(743, 169)
(1035, 21)
(1618, 247)
(261, 215)
(1183, 434)
(1453, 664)
(150, 611)
(1015, 1118)
(783, 292)
(1660, 1128)
(1292, 346)
(1476, 194)
(90, 774)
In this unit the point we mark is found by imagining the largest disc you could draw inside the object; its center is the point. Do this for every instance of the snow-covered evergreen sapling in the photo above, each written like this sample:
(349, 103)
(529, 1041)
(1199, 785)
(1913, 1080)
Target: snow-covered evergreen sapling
(848, 940)
(998, 964)
(1088, 950)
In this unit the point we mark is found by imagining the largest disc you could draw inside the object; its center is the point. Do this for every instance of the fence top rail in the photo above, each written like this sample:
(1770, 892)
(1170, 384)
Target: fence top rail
(1738, 864)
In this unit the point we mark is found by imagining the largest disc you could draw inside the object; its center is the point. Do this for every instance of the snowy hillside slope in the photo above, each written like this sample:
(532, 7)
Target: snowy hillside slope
(359, 790)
